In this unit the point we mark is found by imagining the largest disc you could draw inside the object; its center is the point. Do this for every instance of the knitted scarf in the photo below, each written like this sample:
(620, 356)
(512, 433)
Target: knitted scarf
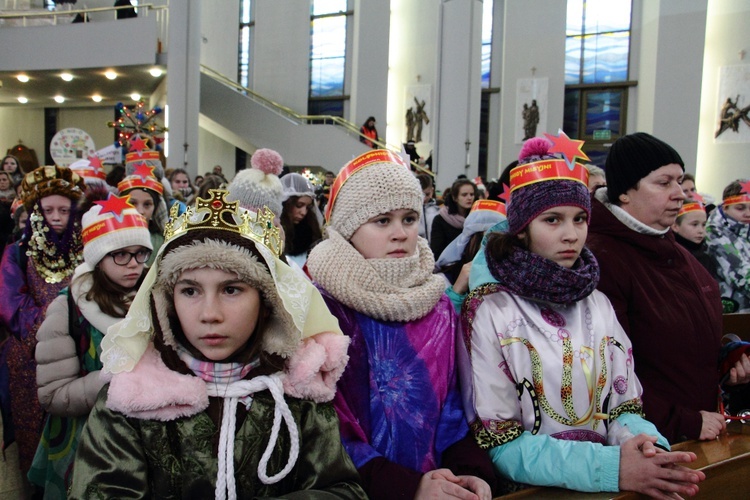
(454, 220)
(385, 289)
(215, 373)
(531, 276)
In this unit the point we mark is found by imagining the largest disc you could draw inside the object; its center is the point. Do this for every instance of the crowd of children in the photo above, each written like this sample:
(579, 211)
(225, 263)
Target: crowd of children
(242, 343)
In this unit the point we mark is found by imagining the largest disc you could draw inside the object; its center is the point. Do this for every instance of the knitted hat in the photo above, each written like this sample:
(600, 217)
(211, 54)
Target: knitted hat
(259, 185)
(374, 183)
(110, 225)
(295, 184)
(90, 171)
(48, 181)
(542, 181)
(631, 158)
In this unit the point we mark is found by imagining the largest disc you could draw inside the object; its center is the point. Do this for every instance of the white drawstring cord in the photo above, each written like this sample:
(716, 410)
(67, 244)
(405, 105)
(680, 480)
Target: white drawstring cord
(225, 481)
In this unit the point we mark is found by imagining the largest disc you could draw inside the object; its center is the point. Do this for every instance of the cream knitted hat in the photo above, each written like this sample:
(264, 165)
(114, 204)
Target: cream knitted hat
(110, 225)
(372, 184)
(259, 185)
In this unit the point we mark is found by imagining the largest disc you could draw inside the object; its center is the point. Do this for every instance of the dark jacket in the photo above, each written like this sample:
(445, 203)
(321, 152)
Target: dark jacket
(669, 305)
(441, 235)
(698, 250)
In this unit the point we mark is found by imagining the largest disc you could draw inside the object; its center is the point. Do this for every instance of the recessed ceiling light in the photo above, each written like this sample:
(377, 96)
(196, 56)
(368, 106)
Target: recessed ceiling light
(135, 96)
(59, 99)
(96, 98)
(23, 100)
(111, 75)
(156, 72)
(66, 76)
(23, 78)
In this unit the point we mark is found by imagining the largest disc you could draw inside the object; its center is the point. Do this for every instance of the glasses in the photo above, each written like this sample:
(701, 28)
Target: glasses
(123, 258)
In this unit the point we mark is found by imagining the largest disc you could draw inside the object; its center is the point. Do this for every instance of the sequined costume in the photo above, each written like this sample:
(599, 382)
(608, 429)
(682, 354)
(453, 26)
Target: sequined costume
(538, 376)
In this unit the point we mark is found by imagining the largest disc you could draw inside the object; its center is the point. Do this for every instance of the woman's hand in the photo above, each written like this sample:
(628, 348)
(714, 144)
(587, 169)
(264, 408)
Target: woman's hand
(442, 483)
(713, 425)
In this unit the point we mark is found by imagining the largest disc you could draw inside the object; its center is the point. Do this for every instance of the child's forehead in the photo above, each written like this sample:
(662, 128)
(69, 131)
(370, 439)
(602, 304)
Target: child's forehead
(697, 215)
(207, 274)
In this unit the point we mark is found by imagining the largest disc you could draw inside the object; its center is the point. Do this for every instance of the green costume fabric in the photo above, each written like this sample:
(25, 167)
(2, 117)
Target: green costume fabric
(178, 459)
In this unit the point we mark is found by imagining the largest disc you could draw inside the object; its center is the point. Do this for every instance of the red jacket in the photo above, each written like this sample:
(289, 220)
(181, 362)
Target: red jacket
(670, 307)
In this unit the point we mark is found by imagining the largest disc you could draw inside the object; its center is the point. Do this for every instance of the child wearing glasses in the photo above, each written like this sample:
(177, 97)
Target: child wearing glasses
(116, 245)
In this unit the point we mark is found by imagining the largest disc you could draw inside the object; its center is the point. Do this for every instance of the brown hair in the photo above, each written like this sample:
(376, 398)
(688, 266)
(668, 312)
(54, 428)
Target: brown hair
(501, 245)
(451, 202)
(309, 227)
(733, 189)
(108, 295)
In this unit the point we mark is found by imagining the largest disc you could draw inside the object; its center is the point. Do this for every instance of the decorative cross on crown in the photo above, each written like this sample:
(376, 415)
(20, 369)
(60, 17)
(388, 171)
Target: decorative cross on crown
(216, 213)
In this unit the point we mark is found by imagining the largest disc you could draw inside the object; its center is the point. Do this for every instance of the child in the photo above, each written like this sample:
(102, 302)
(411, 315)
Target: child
(145, 193)
(547, 371)
(728, 240)
(219, 320)
(399, 403)
(690, 232)
(116, 245)
(299, 218)
(455, 261)
(33, 272)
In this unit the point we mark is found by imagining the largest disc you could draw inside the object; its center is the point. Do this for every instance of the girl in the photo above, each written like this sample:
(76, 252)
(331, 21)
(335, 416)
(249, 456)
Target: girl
(728, 241)
(449, 222)
(219, 320)
(456, 260)
(13, 167)
(690, 232)
(180, 182)
(368, 133)
(145, 194)
(116, 245)
(299, 217)
(33, 272)
(399, 403)
(548, 371)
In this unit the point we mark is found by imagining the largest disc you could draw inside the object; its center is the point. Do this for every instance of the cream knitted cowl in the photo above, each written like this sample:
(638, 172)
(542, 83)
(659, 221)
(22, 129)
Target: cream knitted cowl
(385, 289)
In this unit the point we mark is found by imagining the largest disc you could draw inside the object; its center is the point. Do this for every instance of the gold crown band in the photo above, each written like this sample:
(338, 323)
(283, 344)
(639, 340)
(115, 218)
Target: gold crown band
(212, 214)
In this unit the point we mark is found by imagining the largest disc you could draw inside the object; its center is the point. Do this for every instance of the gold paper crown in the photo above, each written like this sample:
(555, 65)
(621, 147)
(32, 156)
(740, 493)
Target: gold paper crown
(213, 214)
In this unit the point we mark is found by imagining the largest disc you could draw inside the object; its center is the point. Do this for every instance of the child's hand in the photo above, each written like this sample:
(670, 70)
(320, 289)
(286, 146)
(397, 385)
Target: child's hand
(713, 425)
(442, 483)
(658, 476)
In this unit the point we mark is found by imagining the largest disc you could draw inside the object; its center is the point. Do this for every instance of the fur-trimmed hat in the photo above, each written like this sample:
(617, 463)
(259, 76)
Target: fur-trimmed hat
(374, 183)
(48, 181)
(259, 185)
(631, 158)
(528, 200)
(110, 225)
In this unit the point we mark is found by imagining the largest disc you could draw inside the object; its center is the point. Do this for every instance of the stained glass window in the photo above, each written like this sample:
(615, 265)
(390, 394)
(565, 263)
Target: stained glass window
(328, 48)
(486, 42)
(247, 26)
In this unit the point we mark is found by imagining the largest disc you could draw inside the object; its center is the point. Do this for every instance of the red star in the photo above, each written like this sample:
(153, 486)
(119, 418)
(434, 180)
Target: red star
(95, 162)
(505, 195)
(144, 171)
(570, 148)
(115, 205)
(745, 187)
(138, 145)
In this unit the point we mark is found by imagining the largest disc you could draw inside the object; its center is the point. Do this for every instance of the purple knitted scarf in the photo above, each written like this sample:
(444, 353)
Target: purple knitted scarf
(532, 276)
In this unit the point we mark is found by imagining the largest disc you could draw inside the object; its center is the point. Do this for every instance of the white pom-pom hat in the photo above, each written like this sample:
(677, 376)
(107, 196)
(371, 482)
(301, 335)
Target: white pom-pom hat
(259, 186)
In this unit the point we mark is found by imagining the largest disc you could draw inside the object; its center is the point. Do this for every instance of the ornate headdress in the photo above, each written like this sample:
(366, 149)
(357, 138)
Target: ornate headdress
(216, 213)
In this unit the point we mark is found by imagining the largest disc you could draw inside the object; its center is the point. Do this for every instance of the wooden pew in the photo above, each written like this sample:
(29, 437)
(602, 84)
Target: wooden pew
(725, 461)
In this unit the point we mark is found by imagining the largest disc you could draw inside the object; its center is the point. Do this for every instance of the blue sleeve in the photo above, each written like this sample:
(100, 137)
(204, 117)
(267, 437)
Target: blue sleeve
(542, 460)
(639, 425)
(457, 299)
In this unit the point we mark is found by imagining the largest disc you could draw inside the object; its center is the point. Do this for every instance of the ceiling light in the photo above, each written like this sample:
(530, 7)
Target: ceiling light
(135, 96)
(59, 99)
(156, 72)
(23, 100)
(96, 98)
(111, 75)
(66, 76)
(23, 78)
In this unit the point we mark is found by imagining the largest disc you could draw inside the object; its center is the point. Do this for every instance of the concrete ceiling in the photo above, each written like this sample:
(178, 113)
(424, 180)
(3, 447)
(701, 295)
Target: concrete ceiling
(43, 86)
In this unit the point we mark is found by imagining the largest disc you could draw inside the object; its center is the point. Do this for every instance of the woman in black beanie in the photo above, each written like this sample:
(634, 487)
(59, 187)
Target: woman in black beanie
(665, 300)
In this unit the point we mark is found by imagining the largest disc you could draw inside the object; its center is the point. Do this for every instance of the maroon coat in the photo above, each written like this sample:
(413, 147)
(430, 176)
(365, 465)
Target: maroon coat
(670, 307)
